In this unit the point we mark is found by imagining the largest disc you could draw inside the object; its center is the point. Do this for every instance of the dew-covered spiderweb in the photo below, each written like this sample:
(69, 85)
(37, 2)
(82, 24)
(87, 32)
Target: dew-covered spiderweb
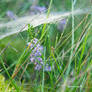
(12, 27)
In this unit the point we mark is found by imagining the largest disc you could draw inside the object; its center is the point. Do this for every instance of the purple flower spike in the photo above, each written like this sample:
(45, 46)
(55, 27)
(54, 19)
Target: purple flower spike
(35, 56)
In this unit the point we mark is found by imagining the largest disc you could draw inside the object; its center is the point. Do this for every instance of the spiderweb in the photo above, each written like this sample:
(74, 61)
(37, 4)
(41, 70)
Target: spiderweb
(12, 27)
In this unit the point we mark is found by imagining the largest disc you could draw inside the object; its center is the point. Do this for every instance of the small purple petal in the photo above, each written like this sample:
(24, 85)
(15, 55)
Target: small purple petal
(39, 59)
(32, 59)
(47, 68)
(36, 54)
(41, 62)
(39, 53)
(38, 67)
(41, 48)
(38, 46)
(35, 41)
(35, 63)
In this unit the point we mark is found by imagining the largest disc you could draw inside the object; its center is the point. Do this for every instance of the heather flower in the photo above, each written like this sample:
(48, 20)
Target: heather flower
(38, 67)
(37, 9)
(36, 55)
(11, 15)
(47, 68)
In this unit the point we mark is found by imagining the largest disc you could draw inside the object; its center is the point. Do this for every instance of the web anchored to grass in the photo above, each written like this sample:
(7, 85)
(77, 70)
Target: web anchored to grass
(15, 26)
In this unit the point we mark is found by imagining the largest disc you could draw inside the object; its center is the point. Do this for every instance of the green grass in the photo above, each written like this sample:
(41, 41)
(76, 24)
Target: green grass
(69, 53)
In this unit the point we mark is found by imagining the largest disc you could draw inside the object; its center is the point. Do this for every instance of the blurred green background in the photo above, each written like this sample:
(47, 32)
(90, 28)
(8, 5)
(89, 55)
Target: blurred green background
(19, 8)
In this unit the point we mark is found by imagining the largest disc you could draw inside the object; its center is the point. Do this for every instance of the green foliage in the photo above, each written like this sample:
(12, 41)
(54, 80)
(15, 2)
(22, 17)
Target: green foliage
(4, 85)
(31, 33)
(69, 53)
